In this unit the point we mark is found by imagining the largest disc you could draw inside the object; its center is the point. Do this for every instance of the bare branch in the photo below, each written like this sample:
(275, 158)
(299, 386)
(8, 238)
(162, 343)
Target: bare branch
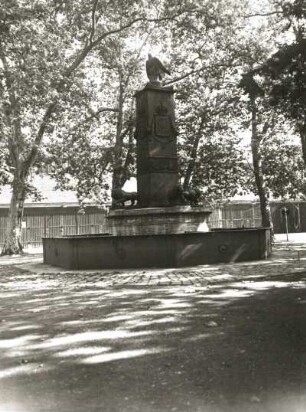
(128, 158)
(13, 108)
(265, 127)
(271, 13)
(138, 57)
(194, 151)
(101, 110)
(93, 114)
(28, 163)
(196, 71)
(88, 47)
(126, 131)
(93, 21)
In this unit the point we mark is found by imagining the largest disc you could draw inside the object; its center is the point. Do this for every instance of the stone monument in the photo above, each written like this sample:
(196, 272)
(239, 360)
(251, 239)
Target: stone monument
(163, 226)
(157, 163)
(162, 206)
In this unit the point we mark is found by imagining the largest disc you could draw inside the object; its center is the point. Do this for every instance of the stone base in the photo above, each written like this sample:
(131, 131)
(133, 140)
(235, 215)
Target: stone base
(158, 220)
(162, 251)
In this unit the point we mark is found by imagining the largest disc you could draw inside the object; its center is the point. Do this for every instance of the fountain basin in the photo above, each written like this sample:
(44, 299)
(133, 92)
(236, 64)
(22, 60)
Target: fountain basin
(157, 251)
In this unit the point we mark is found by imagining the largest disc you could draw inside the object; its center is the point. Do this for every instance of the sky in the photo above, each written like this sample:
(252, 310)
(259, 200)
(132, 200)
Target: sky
(46, 185)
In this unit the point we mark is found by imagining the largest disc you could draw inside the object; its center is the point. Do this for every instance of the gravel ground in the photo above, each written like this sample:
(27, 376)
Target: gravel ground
(209, 338)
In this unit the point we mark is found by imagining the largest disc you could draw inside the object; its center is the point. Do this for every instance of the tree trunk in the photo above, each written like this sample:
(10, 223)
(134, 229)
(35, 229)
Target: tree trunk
(118, 178)
(193, 155)
(118, 161)
(12, 244)
(266, 218)
(303, 141)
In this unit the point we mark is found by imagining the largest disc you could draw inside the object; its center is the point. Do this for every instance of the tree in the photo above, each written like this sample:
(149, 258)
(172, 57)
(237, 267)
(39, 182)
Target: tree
(211, 158)
(285, 71)
(276, 158)
(279, 82)
(283, 168)
(220, 168)
(254, 93)
(43, 54)
(209, 104)
(90, 174)
(67, 76)
(105, 136)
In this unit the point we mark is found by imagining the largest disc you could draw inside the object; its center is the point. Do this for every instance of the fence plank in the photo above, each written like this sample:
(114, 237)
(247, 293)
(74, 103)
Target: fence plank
(45, 223)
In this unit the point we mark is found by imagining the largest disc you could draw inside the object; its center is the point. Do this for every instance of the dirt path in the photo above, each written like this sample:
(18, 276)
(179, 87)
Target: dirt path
(211, 339)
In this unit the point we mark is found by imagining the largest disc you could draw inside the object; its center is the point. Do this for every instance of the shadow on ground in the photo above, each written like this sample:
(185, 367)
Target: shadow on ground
(70, 344)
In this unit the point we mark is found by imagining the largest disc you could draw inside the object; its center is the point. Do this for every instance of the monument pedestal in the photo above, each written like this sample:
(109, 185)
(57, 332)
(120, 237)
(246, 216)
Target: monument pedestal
(157, 163)
(158, 220)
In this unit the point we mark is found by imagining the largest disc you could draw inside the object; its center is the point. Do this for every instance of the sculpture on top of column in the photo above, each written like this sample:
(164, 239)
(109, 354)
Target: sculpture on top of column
(158, 183)
(155, 69)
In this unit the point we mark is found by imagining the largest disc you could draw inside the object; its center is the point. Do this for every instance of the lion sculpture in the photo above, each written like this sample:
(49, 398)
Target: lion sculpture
(119, 197)
(179, 196)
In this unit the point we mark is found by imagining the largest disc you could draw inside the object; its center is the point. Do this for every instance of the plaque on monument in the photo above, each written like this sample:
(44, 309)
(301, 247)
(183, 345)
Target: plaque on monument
(162, 126)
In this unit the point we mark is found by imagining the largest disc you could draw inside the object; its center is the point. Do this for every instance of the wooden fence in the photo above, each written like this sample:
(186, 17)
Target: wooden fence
(53, 223)
(48, 222)
(229, 216)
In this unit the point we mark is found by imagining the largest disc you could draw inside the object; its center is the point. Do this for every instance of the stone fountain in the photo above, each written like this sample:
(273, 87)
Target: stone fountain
(167, 227)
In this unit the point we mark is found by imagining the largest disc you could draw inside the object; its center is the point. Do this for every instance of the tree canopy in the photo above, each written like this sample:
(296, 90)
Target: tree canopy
(69, 70)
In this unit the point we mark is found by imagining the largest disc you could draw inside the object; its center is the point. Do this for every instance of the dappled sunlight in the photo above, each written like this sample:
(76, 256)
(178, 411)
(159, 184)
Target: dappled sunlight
(30, 284)
(127, 354)
(158, 312)
(223, 276)
(282, 401)
(230, 294)
(61, 304)
(22, 369)
(16, 341)
(118, 317)
(87, 293)
(90, 336)
(82, 351)
(172, 303)
(5, 324)
(50, 299)
(35, 301)
(11, 295)
(39, 309)
(189, 250)
(136, 323)
(166, 330)
(81, 322)
(200, 336)
(126, 292)
(299, 285)
(263, 285)
(212, 301)
(25, 327)
(239, 251)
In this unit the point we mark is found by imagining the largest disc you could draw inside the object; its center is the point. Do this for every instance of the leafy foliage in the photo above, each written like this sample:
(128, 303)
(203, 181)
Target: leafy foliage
(68, 72)
(286, 178)
(284, 73)
(220, 169)
(286, 70)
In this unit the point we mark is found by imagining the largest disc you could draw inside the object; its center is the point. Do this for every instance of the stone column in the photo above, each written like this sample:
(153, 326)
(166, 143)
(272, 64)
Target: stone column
(157, 164)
